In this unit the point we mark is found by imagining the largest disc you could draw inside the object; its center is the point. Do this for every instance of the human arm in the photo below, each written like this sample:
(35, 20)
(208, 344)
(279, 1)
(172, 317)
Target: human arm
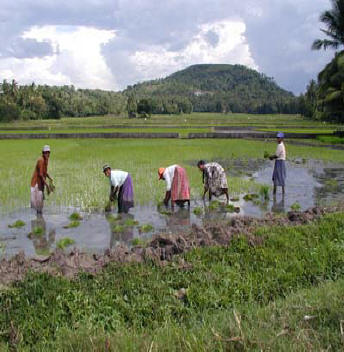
(167, 197)
(113, 193)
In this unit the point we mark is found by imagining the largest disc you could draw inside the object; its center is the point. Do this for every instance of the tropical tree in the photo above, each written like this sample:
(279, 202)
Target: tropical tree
(334, 21)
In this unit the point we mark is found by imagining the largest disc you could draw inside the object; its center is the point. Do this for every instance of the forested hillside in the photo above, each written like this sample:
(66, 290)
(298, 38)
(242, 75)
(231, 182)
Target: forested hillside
(214, 88)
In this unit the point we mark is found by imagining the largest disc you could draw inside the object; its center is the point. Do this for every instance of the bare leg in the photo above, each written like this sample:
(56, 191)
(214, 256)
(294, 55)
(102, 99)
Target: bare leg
(225, 191)
(283, 190)
(274, 191)
(172, 204)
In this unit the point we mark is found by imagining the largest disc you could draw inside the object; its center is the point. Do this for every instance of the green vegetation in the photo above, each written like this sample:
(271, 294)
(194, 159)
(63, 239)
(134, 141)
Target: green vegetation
(131, 222)
(76, 165)
(331, 139)
(75, 217)
(36, 231)
(295, 206)
(324, 99)
(146, 228)
(74, 223)
(214, 204)
(118, 228)
(264, 192)
(64, 242)
(198, 211)
(16, 224)
(239, 296)
(138, 242)
(250, 197)
(213, 88)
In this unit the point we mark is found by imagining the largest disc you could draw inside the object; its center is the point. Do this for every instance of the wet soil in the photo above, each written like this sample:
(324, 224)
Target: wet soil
(160, 249)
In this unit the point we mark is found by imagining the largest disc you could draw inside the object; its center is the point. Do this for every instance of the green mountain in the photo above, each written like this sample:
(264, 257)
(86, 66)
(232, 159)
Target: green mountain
(214, 88)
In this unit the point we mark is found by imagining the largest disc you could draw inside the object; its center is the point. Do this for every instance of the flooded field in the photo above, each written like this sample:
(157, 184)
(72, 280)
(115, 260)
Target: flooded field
(309, 183)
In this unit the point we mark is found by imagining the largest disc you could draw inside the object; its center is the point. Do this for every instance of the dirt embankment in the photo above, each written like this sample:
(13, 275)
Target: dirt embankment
(161, 249)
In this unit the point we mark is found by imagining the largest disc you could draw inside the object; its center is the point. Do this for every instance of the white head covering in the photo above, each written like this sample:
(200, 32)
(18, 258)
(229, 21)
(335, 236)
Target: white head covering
(46, 148)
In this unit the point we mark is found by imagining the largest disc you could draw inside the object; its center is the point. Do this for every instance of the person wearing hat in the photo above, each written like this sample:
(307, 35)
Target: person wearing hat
(121, 187)
(177, 185)
(38, 180)
(279, 174)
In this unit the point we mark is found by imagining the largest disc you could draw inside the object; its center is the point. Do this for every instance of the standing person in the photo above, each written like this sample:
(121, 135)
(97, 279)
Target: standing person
(38, 180)
(279, 174)
(177, 185)
(121, 187)
(214, 179)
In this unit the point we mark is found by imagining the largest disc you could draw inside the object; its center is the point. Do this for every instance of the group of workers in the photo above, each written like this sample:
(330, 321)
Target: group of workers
(177, 183)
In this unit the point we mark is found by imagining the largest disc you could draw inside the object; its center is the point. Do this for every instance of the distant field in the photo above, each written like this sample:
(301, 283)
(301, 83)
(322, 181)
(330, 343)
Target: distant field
(317, 130)
(185, 120)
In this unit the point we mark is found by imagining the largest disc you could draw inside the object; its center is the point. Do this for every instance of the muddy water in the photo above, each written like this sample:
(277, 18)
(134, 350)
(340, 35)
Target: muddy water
(309, 183)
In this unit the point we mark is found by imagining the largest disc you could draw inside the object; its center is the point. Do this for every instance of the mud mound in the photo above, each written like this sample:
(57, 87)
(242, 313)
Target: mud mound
(161, 249)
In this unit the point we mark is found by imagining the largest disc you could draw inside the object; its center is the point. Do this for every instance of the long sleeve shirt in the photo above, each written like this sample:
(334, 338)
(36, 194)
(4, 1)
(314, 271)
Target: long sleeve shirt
(40, 173)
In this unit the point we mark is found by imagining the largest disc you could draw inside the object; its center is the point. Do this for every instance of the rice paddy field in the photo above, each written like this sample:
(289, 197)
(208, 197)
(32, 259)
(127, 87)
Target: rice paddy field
(285, 294)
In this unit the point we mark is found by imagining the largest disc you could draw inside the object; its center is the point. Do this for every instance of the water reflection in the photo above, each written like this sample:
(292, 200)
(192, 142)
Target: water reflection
(278, 206)
(41, 241)
(122, 228)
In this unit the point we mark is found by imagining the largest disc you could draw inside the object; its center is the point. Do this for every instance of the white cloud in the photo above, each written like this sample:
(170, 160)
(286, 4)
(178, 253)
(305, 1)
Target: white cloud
(228, 46)
(77, 58)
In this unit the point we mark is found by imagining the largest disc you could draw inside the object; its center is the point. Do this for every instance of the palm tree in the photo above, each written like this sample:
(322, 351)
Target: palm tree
(334, 21)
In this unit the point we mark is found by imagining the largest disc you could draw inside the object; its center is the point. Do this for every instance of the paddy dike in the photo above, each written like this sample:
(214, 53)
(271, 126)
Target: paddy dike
(160, 249)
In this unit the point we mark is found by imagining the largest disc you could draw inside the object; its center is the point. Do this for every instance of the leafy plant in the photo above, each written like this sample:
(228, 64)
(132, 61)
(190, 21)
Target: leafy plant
(17, 224)
(198, 211)
(264, 192)
(64, 242)
(72, 224)
(146, 228)
(75, 217)
(295, 206)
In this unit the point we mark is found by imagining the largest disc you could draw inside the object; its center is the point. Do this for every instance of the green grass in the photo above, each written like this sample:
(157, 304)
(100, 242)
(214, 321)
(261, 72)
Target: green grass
(72, 224)
(197, 119)
(76, 166)
(330, 139)
(146, 228)
(300, 130)
(259, 294)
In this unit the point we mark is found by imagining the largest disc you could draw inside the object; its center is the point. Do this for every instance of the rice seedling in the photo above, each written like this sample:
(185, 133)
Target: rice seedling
(146, 228)
(64, 242)
(72, 224)
(118, 228)
(17, 224)
(75, 217)
(214, 205)
(131, 222)
(36, 231)
(138, 242)
(264, 192)
(198, 211)
(295, 206)
(250, 197)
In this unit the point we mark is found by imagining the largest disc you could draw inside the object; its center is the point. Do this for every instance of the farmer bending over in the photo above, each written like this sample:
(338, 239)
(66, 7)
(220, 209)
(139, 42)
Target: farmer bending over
(177, 185)
(121, 187)
(214, 179)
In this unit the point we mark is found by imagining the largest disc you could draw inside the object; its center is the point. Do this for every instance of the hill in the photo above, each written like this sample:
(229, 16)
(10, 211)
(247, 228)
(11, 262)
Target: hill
(214, 88)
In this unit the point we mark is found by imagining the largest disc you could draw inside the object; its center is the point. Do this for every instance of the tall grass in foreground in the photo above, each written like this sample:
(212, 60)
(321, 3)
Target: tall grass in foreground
(139, 305)
(76, 166)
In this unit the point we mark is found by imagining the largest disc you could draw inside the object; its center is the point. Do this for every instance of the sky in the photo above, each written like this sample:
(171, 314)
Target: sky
(110, 44)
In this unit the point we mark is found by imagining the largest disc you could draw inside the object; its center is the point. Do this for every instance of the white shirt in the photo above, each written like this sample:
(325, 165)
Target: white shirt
(117, 178)
(280, 151)
(168, 176)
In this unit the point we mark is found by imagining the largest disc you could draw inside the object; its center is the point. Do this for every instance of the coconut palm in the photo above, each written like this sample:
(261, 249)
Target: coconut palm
(334, 21)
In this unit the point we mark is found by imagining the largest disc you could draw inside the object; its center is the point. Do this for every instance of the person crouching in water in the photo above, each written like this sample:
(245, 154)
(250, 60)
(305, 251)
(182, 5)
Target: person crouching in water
(279, 174)
(38, 180)
(177, 185)
(214, 179)
(121, 187)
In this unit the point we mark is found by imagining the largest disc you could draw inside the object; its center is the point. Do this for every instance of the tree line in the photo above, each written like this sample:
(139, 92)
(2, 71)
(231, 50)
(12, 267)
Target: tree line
(324, 97)
(32, 102)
